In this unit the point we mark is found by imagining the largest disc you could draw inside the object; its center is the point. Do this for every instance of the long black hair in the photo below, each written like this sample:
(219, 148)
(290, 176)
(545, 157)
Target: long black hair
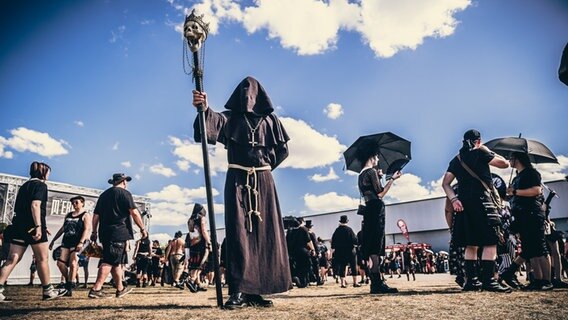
(523, 158)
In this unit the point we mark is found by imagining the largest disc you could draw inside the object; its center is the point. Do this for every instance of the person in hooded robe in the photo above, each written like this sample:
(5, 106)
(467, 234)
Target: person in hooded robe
(256, 144)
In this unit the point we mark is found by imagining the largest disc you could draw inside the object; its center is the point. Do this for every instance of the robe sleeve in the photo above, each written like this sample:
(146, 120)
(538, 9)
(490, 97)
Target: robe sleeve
(280, 138)
(214, 124)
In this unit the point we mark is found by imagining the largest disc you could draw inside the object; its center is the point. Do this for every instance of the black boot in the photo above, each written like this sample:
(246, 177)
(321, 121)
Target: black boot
(489, 283)
(384, 288)
(236, 301)
(509, 277)
(69, 288)
(472, 282)
(375, 279)
(378, 285)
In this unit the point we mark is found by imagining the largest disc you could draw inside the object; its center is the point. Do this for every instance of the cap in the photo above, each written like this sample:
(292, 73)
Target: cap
(471, 135)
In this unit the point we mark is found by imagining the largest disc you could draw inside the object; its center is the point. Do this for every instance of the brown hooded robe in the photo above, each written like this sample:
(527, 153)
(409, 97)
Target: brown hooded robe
(257, 259)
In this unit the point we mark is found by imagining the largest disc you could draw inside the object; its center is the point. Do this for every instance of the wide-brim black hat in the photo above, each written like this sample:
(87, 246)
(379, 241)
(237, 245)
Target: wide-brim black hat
(343, 219)
(118, 178)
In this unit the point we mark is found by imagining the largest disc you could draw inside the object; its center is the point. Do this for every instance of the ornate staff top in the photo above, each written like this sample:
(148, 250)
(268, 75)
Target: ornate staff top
(195, 31)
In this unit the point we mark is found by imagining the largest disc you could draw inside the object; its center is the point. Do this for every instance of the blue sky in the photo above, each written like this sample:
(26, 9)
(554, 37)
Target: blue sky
(96, 87)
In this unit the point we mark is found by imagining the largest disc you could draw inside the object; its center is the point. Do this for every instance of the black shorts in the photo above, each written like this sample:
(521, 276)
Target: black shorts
(142, 264)
(22, 237)
(70, 243)
(114, 253)
(156, 270)
(533, 240)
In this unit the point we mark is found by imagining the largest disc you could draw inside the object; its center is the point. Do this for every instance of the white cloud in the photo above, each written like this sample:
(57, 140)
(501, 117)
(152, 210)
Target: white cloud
(308, 147)
(162, 170)
(551, 171)
(41, 143)
(174, 193)
(306, 26)
(172, 205)
(163, 238)
(329, 202)
(115, 146)
(333, 111)
(137, 176)
(126, 164)
(183, 165)
(79, 123)
(4, 154)
(312, 26)
(408, 187)
(190, 152)
(390, 26)
(321, 178)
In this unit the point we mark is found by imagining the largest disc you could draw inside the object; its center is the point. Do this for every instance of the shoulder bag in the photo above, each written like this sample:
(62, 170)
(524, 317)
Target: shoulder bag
(492, 204)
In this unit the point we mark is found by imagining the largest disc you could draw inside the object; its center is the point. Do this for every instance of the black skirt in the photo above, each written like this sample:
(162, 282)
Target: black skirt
(471, 226)
(373, 229)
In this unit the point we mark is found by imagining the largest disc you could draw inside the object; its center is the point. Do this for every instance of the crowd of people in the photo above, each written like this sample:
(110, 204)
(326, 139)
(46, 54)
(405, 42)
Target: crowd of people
(485, 234)
(487, 231)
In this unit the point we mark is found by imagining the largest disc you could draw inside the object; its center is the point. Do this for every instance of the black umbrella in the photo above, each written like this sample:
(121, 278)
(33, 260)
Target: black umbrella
(538, 152)
(392, 150)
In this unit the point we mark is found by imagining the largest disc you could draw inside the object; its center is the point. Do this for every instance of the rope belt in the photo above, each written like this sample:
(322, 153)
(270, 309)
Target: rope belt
(251, 190)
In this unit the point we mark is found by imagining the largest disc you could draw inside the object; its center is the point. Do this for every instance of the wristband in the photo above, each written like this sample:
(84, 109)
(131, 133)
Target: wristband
(454, 199)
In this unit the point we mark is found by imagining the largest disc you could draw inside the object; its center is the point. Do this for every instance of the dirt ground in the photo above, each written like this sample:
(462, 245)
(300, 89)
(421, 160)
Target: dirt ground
(429, 297)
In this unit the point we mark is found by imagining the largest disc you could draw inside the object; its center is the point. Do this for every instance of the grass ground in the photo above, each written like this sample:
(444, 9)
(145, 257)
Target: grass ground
(429, 297)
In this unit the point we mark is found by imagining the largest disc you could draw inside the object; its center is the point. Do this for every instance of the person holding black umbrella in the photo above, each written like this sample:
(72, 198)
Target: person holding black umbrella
(527, 207)
(476, 228)
(371, 189)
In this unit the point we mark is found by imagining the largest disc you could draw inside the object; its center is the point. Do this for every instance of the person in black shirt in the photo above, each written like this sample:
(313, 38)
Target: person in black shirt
(373, 238)
(156, 265)
(527, 208)
(475, 229)
(75, 231)
(29, 228)
(323, 254)
(343, 242)
(300, 250)
(315, 272)
(111, 220)
(142, 255)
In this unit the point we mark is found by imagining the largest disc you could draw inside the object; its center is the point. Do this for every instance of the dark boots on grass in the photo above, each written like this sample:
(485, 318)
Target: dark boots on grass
(378, 285)
(488, 282)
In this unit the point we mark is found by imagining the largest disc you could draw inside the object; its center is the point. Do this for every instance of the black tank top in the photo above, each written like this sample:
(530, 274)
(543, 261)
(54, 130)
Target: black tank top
(144, 246)
(73, 226)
